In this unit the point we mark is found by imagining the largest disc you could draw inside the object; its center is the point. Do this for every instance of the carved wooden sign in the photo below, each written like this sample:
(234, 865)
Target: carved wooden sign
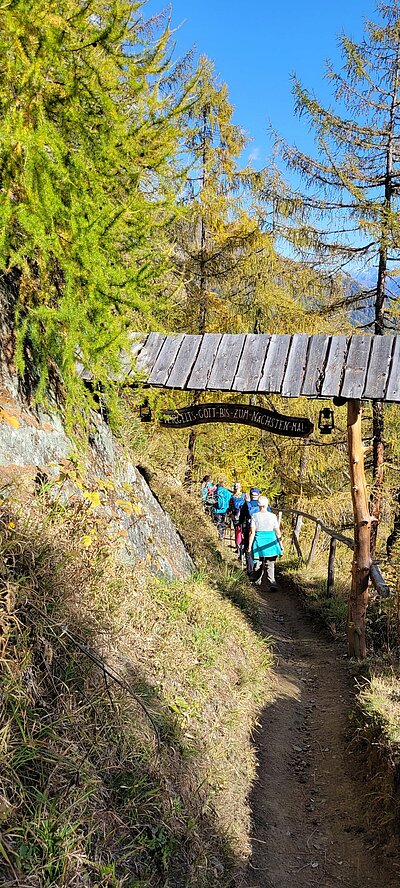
(245, 414)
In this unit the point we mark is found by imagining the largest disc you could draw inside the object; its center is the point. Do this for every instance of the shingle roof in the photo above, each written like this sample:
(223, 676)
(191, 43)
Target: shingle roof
(317, 366)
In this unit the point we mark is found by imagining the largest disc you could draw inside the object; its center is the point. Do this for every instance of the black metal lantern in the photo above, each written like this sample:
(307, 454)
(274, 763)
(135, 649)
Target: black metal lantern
(145, 411)
(326, 422)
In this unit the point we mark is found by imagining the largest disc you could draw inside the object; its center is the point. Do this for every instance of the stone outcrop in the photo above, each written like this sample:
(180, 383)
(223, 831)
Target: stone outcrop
(35, 443)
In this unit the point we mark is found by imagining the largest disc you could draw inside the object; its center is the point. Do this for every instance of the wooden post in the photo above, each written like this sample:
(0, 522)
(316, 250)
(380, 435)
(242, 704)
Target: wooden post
(362, 535)
(331, 568)
(296, 534)
(314, 543)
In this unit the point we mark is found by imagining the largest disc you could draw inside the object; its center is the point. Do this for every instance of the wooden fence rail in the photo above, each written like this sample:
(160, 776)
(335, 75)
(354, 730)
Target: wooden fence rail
(376, 577)
(378, 582)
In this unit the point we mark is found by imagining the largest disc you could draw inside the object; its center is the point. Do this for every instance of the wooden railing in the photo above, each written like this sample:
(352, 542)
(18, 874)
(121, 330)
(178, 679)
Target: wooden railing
(376, 577)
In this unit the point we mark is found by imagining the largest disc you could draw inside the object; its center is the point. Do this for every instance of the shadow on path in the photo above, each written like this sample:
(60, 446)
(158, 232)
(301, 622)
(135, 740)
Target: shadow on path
(307, 808)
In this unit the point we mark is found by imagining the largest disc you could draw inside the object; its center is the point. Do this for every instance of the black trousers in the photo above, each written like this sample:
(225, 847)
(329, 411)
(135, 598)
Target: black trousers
(220, 522)
(249, 557)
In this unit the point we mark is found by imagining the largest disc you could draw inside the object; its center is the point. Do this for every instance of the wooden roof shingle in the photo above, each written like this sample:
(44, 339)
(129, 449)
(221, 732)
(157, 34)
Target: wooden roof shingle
(320, 366)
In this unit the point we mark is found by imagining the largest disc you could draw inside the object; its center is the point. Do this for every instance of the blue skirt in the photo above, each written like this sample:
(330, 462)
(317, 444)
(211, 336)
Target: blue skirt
(266, 545)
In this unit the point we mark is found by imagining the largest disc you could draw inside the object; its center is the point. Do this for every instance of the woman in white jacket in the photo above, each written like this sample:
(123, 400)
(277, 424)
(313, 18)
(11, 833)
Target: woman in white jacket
(265, 542)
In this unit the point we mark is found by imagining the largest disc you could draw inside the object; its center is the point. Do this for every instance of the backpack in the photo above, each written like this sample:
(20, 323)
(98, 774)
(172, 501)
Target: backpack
(223, 500)
(235, 505)
(246, 513)
(211, 493)
(252, 507)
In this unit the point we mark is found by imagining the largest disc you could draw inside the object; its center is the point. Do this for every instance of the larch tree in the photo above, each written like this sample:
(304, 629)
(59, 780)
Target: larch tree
(351, 202)
(218, 230)
(88, 143)
(229, 275)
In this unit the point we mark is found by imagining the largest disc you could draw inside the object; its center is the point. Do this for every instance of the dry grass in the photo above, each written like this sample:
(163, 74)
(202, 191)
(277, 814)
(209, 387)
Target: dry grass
(312, 580)
(202, 542)
(375, 729)
(94, 791)
(383, 615)
(381, 699)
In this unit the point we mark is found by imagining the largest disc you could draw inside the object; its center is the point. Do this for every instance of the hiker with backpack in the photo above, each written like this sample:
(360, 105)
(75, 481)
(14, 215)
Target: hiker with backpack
(265, 543)
(237, 500)
(248, 509)
(221, 508)
(208, 494)
(205, 484)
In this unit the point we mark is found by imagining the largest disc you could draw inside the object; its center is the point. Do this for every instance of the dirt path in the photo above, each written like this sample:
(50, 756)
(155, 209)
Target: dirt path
(307, 822)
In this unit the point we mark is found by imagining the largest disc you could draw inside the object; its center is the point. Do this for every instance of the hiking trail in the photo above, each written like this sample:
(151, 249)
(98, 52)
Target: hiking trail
(308, 826)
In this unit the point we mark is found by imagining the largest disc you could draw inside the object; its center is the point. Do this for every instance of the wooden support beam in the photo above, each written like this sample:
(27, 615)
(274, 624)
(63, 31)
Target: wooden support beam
(378, 582)
(314, 543)
(330, 586)
(296, 534)
(358, 599)
(297, 546)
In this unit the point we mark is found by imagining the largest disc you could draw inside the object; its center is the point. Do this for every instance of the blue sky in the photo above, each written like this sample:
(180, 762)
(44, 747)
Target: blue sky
(257, 44)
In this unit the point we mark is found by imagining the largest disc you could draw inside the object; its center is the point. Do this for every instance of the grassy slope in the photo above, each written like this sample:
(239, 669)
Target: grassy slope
(94, 791)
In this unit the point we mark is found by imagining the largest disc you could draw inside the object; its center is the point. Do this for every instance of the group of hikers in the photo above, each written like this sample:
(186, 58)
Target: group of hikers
(258, 538)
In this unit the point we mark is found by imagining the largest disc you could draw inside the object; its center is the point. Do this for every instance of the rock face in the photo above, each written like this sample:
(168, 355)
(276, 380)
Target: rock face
(32, 442)
(153, 538)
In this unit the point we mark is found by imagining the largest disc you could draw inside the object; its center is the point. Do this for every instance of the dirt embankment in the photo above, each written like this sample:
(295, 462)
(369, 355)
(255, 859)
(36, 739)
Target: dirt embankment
(308, 808)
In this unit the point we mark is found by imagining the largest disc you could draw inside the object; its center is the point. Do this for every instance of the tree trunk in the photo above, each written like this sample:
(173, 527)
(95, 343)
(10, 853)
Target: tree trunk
(202, 320)
(378, 447)
(191, 449)
(303, 468)
(203, 233)
(330, 585)
(203, 280)
(362, 535)
(378, 471)
(379, 327)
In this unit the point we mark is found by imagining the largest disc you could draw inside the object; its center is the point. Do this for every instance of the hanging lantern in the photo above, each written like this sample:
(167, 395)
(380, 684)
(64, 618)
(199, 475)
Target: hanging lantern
(145, 411)
(326, 422)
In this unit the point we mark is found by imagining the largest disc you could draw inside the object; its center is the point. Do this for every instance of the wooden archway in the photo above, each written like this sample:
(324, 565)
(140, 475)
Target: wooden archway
(354, 368)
